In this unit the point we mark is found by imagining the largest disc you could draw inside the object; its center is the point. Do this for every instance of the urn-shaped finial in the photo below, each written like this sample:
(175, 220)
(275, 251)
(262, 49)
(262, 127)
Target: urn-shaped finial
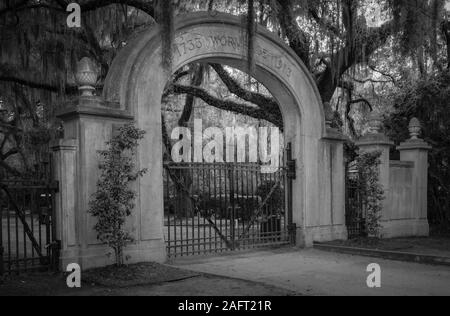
(86, 76)
(414, 128)
(375, 123)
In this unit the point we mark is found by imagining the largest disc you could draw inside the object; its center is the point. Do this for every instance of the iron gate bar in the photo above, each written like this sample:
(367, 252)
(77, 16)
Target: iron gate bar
(226, 230)
(8, 220)
(33, 206)
(354, 206)
(24, 197)
(255, 216)
(195, 202)
(20, 196)
(2, 270)
(26, 227)
(291, 164)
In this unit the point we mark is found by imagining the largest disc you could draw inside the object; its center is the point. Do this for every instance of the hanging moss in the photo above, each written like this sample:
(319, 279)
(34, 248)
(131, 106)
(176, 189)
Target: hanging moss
(418, 21)
(251, 33)
(166, 21)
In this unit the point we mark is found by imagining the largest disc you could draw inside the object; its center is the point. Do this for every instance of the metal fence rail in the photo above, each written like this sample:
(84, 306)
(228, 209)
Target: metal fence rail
(355, 212)
(27, 220)
(212, 208)
(27, 227)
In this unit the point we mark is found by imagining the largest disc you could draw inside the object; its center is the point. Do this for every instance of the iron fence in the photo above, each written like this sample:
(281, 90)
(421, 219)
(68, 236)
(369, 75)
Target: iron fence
(27, 230)
(355, 212)
(212, 208)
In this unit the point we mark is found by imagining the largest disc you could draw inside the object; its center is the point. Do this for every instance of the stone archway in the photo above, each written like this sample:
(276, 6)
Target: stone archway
(133, 91)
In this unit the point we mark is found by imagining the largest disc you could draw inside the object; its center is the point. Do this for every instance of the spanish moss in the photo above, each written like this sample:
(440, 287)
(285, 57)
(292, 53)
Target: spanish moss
(251, 33)
(166, 21)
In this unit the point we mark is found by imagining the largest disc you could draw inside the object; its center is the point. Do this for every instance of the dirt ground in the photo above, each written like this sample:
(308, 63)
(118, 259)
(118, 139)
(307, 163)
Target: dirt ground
(138, 280)
(315, 272)
(436, 246)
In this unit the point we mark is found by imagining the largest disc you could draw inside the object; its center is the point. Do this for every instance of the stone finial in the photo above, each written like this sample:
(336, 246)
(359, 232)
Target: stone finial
(86, 77)
(414, 128)
(375, 123)
(329, 115)
(414, 142)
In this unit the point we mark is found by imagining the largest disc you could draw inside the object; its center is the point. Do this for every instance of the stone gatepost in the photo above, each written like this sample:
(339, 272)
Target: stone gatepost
(65, 171)
(416, 150)
(89, 122)
(376, 140)
(329, 220)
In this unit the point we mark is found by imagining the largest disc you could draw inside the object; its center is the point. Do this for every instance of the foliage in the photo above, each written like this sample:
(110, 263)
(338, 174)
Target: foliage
(343, 43)
(371, 191)
(419, 21)
(250, 31)
(428, 100)
(24, 140)
(113, 201)
(166, 18)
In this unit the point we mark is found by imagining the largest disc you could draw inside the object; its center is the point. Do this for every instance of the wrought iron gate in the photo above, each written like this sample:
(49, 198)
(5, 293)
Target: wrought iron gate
(27, 230)
(212, 208)
(355, 215)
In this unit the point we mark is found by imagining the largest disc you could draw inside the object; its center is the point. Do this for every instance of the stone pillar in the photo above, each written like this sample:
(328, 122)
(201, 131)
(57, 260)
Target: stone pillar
(89, 122)
(416, 150)
(65, 171)
(376, 140)
(328, 223)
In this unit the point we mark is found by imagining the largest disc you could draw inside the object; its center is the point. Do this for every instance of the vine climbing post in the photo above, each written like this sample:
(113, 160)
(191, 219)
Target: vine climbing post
(376, 141)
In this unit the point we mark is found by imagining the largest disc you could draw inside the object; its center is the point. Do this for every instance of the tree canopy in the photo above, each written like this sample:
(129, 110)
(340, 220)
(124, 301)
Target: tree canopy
(357, 51)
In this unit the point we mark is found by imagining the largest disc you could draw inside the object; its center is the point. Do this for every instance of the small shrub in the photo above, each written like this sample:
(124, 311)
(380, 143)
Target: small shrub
(113, 201)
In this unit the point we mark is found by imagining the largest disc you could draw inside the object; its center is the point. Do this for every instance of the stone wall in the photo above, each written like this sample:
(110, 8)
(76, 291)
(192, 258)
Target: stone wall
(404, 212)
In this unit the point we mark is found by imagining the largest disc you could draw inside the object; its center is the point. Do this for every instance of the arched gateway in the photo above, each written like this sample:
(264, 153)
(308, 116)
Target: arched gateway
(133, 91)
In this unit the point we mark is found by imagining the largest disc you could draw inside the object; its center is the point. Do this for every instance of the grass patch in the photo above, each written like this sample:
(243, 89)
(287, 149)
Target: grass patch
(425, 245)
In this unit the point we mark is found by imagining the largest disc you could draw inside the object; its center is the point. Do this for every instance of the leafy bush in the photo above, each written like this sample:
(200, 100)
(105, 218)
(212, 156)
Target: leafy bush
(113, 201)
(428, 100)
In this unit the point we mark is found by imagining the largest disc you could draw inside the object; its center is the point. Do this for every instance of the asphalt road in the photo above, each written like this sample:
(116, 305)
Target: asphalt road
(315, 272)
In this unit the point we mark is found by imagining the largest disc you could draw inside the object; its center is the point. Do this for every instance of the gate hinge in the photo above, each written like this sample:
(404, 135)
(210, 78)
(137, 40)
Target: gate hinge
(291, 169)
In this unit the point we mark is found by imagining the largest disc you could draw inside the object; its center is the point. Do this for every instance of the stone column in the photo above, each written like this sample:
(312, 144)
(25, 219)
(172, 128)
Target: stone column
(376, 140)
(65, 172)
(328, 223)
(416, 150)
(89, 123)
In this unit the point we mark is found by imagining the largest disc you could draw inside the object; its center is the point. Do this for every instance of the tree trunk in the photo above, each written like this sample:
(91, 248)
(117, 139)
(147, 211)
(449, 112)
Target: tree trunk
(446, 32)
(184, 188)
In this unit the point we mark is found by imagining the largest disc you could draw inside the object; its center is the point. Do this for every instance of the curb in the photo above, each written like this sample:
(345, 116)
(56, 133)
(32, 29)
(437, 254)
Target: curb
(391, 255)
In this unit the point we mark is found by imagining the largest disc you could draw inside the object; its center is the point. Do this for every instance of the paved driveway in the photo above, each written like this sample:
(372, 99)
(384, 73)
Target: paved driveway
(315, 272)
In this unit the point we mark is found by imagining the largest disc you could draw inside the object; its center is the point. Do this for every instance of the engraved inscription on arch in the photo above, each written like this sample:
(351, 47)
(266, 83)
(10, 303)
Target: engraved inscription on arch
(191, 43)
